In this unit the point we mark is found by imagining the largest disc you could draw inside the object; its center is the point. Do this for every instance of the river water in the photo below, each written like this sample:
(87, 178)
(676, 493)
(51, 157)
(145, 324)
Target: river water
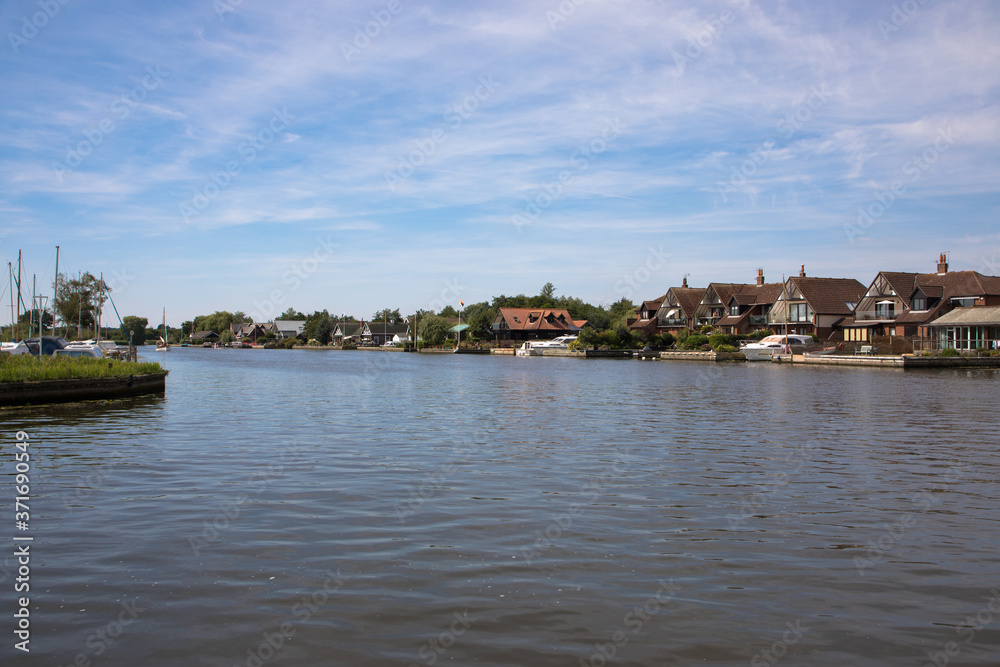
(366, 508)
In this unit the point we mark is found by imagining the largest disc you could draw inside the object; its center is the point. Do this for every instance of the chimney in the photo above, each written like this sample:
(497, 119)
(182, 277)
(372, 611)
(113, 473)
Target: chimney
(942, 264)
(802, 271)
(760, 277)
(685, 283)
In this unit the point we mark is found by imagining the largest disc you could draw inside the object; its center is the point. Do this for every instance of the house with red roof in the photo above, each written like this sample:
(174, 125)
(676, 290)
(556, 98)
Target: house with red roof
(520, 324)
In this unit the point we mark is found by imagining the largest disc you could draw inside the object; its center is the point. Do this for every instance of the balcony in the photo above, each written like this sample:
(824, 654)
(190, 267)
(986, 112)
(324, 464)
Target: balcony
(875, 315)
(758, 319)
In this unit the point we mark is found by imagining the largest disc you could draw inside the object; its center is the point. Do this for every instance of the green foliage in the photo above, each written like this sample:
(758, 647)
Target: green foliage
(137, 327)
(726, 348)
(620, 338)
(390, 316)
(289, 343)
(761, 333)
(349, 345)
(319, 325)
(291, 314)
(448, 311)
(717, 339)
(433, 329)
(219, 321)
(226, 337)
(949, 352)
(662, 340)
(313, 342)
(694, 342)
(815, 338)
(706, 329)
(26, 368)
(77, 300)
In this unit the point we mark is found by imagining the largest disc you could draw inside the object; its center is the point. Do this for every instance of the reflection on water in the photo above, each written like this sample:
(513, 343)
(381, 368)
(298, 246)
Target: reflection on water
(327, 508)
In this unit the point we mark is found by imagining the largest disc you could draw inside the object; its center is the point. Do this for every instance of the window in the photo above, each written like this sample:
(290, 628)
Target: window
(919, 303)
(799, 312)
(734, 309)
(884, 310)
(966, 302)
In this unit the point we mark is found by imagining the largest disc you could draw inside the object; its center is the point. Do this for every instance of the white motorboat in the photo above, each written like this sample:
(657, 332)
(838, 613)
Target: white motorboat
(535, 348)
(14, 348)
(767, 347)
(560, 343)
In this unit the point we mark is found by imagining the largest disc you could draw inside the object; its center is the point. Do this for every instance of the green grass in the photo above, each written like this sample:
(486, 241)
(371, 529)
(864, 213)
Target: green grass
(25, 368)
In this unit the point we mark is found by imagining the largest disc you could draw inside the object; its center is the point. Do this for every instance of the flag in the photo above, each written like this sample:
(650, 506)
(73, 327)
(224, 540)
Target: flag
(462, 303)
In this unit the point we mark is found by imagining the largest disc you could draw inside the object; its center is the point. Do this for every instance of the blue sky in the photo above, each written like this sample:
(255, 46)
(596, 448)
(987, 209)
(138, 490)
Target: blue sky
(248, 155)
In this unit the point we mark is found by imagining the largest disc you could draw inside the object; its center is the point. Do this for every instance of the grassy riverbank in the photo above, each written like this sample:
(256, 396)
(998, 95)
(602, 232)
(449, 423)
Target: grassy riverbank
(25, 368)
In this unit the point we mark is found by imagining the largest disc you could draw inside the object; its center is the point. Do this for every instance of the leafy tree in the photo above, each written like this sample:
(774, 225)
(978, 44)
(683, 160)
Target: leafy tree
(481, 324)
(291, 314)
(448, 311)
(227, 337)
(319, 325)
(386, 315)
(219, 321)
(77, 300)
(28, 322)
(239, 317)
(548, 292)
(434, 329)
(137, 327)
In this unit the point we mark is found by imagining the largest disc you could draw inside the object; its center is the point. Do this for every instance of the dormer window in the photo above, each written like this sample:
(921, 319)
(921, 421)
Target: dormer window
(920, 303)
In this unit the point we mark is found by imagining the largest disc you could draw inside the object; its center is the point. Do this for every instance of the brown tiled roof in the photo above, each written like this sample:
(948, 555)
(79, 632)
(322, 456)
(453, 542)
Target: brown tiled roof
(688, 298)
(732, 320)
(726, 290)
(901, 283)
(768, 293)
(829, 296)
(652, 305)
(960, 283)
(743, 299)
(537, 319)
(929, 290)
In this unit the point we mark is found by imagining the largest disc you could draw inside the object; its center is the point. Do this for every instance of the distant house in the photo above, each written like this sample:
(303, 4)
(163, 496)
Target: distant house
(204, 337)
(380, 333)
(291, 328)
(814, 305)
(676, 311)
(904, 304)
(251, 332)
(972, 328)
(520, 324)
(355, 332)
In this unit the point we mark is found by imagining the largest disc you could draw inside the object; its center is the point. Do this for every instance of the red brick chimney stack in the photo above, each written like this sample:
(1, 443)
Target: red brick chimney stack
(685, 283)
(802, 271)
(760, 277)
(942, 264)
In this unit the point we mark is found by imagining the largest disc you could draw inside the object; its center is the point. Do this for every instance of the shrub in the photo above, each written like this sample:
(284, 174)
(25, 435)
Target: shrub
(706, 329)
(949, 352)
(726, 348)
(815, 338)
(290, 343)
(694, 342)
(761, 333)
(717, 339)
(313, 342)
(662, 340)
